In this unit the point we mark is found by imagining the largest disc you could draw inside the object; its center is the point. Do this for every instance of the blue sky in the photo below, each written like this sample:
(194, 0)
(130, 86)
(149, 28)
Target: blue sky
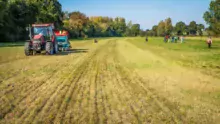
(145, 12)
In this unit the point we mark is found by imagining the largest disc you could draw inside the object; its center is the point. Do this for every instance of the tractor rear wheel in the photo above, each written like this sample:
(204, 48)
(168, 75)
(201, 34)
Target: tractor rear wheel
(49, 48)
(27, 49)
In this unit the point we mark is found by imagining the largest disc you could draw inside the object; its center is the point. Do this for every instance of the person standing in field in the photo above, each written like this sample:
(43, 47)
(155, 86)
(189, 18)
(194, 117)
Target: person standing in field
(169, 40)
(146, 39)
(209, 42)
(175, 39)
(165, 39)
(181, 39)
(172, 39)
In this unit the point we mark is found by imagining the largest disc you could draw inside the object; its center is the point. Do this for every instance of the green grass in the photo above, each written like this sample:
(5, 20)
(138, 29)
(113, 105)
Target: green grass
(11, 53)
(192, 53)
(12, 44)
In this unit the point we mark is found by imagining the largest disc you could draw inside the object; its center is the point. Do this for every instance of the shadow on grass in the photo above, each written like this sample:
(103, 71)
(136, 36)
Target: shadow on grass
(214, 47)
(72, 51)
(63, 53)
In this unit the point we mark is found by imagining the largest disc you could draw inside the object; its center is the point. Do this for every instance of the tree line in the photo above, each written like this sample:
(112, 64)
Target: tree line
(166, 28)
(211, 17)
(79, 25)
(16, 15)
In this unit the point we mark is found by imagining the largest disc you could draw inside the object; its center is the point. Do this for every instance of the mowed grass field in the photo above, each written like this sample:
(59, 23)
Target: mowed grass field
(117, 80)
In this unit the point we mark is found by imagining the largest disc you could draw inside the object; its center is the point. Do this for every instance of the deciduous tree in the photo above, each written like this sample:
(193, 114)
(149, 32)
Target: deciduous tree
(135, 29)
(212, 16)
(161, 28)
(77, 22)
(192, 28)
(200, 28)
(168, 26)
(180, 28)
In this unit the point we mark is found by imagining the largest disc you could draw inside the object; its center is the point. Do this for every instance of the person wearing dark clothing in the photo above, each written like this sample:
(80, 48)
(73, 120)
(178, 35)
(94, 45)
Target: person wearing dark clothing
(95, 41)
(146, 39)
(175, 39)
(167, 37)
(172, 39)
(164, 39)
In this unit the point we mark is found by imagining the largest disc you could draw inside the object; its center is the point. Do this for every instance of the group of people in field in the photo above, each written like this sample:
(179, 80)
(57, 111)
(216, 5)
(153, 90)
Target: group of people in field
(173, 39)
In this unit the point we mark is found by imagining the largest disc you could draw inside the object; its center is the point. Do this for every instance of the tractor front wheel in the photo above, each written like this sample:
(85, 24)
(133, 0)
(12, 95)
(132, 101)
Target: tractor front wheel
(49, 48)
(27, 49)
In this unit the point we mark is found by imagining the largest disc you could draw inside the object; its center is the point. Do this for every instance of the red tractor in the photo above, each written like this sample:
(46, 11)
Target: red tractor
(42, 38)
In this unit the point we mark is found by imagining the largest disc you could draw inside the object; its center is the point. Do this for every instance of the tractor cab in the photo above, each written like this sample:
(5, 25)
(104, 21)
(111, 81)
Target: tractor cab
(42, 38)
(44, 30)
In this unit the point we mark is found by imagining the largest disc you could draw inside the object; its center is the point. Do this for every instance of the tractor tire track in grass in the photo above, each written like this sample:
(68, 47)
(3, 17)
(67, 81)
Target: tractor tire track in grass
(102, 94)
(25, 67)
(107, 95)
(77, 75)
(33, 88)
(50, 102)
(131, 81)
(127, 92)
(74, 89)
(59, 84)
(58, 97)
(159, 103)
(81, 72)
(32, 91)
(22, 81)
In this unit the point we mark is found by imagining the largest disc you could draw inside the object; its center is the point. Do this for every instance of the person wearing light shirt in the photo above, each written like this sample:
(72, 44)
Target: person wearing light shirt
(209, 42)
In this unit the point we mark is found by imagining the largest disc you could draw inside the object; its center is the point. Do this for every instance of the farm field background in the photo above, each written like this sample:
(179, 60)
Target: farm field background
(118, 80)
